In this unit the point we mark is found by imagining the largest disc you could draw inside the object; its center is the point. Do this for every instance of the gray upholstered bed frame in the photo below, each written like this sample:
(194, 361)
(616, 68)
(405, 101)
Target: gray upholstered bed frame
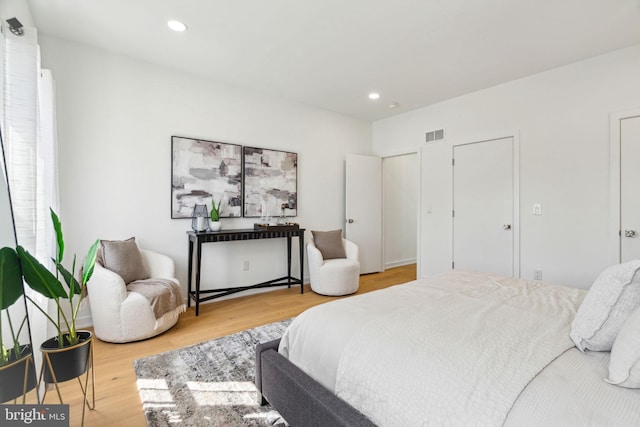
(296, 396)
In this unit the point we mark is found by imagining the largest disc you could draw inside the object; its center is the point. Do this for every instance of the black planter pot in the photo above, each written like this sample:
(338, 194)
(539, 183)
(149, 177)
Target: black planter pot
(12, 376)
(67, 362)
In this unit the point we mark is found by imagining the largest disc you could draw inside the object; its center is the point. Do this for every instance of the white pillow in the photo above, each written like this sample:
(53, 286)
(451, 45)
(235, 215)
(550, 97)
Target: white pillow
(614, 295)
(624, 363)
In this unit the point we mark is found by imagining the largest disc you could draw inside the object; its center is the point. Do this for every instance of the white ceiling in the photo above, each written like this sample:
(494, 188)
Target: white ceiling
(332, 53)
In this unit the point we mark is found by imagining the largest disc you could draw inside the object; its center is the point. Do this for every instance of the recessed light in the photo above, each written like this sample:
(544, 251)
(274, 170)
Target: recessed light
(177, 26)
(393, 105)
(374, 95)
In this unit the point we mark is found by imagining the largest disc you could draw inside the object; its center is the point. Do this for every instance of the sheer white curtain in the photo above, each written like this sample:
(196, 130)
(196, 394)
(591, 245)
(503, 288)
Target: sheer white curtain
(28, 124)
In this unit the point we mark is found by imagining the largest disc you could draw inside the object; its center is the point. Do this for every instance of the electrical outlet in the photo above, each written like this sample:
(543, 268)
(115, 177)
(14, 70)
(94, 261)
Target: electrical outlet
(537, 209)
(537, 274)
(245, 265)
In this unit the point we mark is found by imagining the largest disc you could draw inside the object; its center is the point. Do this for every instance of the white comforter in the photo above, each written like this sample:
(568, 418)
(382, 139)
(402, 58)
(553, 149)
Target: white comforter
(455, 349)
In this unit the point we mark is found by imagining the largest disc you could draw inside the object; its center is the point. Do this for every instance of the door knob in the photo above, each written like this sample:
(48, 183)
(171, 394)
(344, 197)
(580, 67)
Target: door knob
(629, 233)
(507, 226)
(350, 221)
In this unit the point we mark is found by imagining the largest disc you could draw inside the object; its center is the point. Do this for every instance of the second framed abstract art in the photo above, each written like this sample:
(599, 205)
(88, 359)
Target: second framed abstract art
(270, 182)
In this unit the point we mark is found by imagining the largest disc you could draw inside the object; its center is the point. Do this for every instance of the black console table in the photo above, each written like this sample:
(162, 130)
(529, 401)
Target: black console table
(198, 238)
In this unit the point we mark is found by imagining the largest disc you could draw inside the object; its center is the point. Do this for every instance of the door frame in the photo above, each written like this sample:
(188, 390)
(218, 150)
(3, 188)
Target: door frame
(401, 152)
(615, 142)
(490, 136)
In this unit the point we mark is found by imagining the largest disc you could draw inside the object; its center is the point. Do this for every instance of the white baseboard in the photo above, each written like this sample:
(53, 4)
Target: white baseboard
(86, 321)
(252, 292)
(398, 263)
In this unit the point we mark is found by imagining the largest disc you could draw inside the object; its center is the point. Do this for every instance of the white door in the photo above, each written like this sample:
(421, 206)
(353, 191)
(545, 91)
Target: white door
(483, 208)
(629, 189)
(363, 209)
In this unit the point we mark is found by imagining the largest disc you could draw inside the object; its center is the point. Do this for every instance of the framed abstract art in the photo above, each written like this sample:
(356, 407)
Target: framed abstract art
(270, 182)
(204, 170)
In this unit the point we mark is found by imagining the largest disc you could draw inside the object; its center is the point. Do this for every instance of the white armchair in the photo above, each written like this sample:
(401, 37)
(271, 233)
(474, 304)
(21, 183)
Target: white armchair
(337, 276)
(123, 316)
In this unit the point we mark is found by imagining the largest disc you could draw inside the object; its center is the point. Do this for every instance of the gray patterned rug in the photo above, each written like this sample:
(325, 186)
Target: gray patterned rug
(207, 384)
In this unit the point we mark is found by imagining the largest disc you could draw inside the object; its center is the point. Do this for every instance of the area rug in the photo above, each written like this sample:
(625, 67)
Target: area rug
(207, 384)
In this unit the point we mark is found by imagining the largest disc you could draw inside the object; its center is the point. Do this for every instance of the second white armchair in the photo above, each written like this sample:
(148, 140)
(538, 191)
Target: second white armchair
(331, 275)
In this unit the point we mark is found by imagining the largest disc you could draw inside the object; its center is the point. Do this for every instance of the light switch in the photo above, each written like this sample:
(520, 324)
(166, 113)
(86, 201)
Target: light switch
(537, 209)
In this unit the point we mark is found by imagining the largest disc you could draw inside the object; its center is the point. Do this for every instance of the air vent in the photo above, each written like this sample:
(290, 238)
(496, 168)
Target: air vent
(434, 136)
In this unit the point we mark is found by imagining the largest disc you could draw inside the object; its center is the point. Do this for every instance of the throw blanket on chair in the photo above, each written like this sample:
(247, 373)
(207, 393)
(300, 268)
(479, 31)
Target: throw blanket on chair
(164, 295)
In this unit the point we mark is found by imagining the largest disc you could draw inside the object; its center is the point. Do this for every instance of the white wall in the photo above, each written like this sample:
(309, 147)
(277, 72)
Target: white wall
(562, 117)
(116, 116)
(16, 9)
(400, 189)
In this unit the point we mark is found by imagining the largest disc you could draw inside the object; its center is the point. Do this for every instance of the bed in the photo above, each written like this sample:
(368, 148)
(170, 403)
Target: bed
(461, 348)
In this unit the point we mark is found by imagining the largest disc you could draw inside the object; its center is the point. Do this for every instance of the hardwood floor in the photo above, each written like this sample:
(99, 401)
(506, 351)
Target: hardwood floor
(117, 399)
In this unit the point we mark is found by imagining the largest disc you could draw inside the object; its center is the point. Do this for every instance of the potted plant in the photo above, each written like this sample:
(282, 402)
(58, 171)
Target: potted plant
(15, 358)
(215, 215)
(66, 354)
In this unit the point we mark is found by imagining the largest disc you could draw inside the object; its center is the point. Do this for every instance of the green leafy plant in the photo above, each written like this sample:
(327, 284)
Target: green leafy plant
(10, 291)
(215, 210)
(41, 280)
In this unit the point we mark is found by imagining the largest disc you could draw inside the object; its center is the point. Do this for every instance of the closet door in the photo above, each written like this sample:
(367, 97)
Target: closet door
(629, 188)
(483, 206)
